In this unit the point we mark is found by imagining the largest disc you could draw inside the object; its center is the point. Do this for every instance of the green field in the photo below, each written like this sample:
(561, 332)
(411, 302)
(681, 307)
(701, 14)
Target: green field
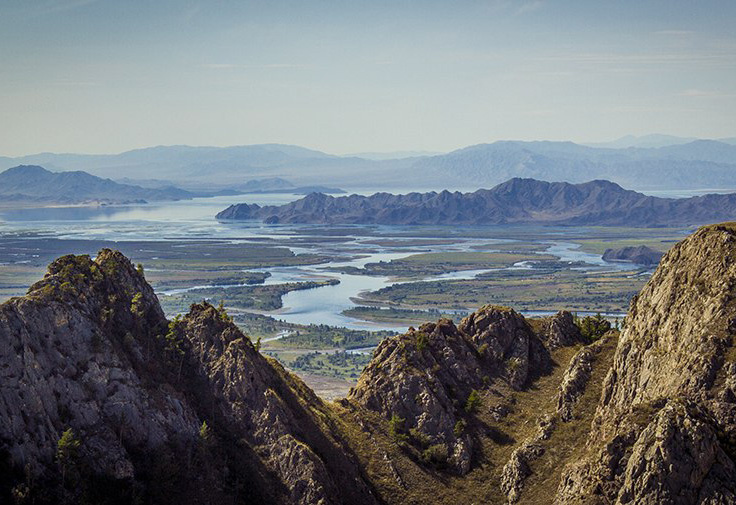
(524, 290)
(399, 316)
(428, 264)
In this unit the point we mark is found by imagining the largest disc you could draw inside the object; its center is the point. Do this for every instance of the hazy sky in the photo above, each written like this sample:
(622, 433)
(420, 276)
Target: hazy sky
(348, 76)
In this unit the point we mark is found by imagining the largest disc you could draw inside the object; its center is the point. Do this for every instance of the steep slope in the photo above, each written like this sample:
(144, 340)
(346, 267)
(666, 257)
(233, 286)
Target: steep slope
(665, 430)
(497, 409)
(484, 412)
(160, 412)
(451, 362)
(600, 203)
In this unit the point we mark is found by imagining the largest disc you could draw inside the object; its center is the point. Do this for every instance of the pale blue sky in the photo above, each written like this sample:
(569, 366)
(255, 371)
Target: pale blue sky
(348, 76)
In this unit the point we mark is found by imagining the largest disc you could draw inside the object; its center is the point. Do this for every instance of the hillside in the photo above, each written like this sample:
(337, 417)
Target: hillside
(34, 184)
(600, 203)
(102, 400)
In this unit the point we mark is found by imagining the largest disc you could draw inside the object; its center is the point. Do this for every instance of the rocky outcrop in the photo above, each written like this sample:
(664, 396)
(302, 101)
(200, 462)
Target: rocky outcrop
(152, 411)
(576, 377)
(274, 412)
(560, 330)
(574, 383)
(507, 344)
(427, 376)
(641, 255)
(665, 426)
(517, 469)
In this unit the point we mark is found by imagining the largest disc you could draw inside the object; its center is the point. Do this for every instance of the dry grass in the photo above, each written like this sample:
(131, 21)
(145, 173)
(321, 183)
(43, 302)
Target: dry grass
(369, 438)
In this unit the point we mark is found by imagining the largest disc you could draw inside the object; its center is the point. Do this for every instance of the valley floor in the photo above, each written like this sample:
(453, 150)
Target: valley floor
(304, 290)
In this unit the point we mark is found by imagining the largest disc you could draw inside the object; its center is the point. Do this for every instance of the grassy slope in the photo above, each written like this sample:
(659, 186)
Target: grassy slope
(383, 460)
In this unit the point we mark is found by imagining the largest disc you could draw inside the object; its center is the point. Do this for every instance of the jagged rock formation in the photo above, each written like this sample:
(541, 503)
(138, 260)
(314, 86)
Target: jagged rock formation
(498, 409)
(598, 202)
(666, 424)
(161, 413)
(561, 331)
(427, 376)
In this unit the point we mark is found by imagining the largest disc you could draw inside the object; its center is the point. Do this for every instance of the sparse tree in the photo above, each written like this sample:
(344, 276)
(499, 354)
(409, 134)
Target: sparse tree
(67, 449)
(473, 402)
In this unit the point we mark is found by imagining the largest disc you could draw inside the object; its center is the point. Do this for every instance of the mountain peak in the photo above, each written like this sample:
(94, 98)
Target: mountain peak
(25, 170)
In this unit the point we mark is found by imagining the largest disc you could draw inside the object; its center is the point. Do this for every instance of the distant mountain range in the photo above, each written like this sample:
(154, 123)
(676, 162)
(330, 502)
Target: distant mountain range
(643, 163)
(34, 184)
(654, 140)
(279, 185)
(599, 203)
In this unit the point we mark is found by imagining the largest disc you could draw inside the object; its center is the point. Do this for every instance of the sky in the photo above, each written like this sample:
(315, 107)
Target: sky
(345, 76)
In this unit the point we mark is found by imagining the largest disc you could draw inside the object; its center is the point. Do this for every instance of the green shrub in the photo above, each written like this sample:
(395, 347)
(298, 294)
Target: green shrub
(422, 340)
(459, 428)
(67, 447)
(473, 402)
(136, 305)
(206, 437)
(593, 327)
(419, 437)
(435, 454)
(396, 429)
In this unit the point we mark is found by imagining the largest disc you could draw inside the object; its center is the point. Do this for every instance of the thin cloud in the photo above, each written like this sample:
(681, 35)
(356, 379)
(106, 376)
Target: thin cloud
(220, 66)
(64, 5)
(71, 83)
(697, 93)
(529, 7)
(675, 33)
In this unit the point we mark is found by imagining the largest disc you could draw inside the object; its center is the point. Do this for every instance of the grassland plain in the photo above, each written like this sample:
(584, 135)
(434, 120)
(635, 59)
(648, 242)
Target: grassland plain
(428, 264)
(573, 290)
(403, 316)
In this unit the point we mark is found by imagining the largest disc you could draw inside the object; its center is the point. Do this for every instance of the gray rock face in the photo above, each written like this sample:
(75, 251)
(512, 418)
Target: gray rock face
(255, 393)
(506, 343)
(426, 384)
(560, 331)
(89, 349)
(427, 375)
(61, 368)
(576, 378)
(665, 426)
(517, 469)
(641, 255)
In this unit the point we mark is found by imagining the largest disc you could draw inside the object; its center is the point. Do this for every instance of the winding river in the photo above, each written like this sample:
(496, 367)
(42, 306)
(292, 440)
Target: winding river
(193, 220)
